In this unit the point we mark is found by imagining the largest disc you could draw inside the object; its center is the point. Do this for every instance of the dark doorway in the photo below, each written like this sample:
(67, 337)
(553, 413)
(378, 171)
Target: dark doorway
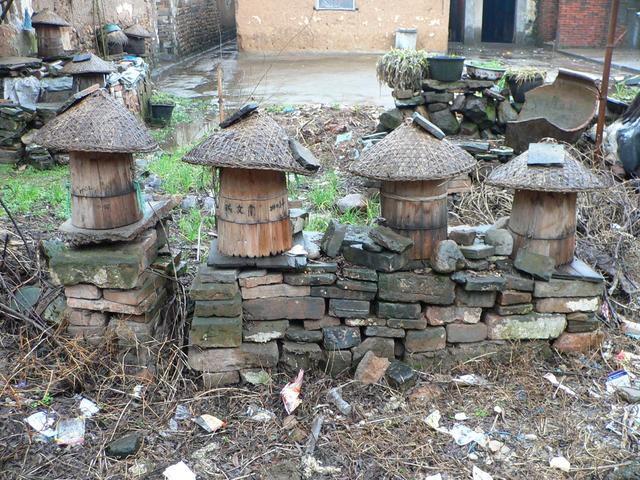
(456, 21)
(498, 21)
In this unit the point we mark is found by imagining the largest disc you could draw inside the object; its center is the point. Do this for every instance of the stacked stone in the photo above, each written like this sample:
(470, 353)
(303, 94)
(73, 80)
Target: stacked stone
(467, 107)
(115, 290)
(14, 123)
(255, 313)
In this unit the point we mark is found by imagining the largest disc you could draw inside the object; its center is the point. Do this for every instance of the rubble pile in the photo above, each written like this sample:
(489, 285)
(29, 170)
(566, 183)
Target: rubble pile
(301, 313)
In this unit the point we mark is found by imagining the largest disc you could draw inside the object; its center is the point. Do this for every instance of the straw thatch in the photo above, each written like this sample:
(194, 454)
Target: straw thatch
(117, 38)
(138, 31)
(571, 177)
(255, 142)
(47, 17)
(97, 123)
(94, 65)
(409, 153)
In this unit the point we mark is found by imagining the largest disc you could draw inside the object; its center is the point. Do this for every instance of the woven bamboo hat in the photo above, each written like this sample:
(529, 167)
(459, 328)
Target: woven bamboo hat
(409, 153)
(255, 142)
(47, 17)
(97, 123)
(93, 64)
(571, 176)
(137, 30)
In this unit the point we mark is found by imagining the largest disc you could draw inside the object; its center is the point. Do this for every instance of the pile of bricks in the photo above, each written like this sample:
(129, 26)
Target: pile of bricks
(329, 314)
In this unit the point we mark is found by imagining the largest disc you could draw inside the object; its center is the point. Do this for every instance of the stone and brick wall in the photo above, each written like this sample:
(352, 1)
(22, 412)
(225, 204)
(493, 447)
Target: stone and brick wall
(577, 23)
(303, 313)
(547, 20)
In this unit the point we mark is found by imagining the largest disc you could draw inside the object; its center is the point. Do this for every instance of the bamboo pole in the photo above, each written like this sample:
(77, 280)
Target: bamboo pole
(606, 73)
(220, 73)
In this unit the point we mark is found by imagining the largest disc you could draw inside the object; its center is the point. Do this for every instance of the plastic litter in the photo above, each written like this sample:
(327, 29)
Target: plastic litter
(471, 380)
(290, 394)
(88, 408)
(42, 422)
(560, 463)
(137, 391)
(463, 435)
(554, 381)
(480, 474)
(259, 414)
(616, 380)
(70, 431)
(182, 412)
(344, 137)
(335, 397)
(210, 423)
(297, 250)
(437, 476)
(461, 417)
(179, 471)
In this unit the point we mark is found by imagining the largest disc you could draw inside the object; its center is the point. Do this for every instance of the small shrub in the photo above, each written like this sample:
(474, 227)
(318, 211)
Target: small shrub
(403, 69)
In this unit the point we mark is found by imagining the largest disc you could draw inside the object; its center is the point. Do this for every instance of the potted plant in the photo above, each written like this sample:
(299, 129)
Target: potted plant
(403, 69)
(446, 68)
(521, 80)
(161, 107)
(486, 70)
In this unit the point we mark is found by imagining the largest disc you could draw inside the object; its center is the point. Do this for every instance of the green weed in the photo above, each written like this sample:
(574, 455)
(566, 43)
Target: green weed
(324, 192)
(317, 223)
(193, 222)
(624, 92)
(179, 177)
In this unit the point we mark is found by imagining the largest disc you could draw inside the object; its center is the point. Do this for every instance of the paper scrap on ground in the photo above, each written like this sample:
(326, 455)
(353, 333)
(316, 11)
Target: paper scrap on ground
(88, 408)
(552, 378)
(179, 471)
(480, 475)
(291, 393)
(42, 423)
(560, 463)
(471, 380)
(210, 423)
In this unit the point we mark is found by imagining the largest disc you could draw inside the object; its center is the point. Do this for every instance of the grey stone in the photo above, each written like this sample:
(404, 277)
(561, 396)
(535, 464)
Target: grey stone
(299, 219)
(446, 121)
(336, 292)
(312, 242)
(438, 97)
(629, 395)
(216, 332)
(582, 322)
(333, 238)
(410, 102)
(567, 288)
(458, 103)
(390, 240)
(462, 235)
(501, 239)
(336, 362)
(478, 265)
(443, 315)
(506, 113)
(300, 355)
(365, 322)
(463, 333)
(518, 282)
(125, 446)
(475, 299)
(378, 331)
(275, 262)
(213, 291)
(382, 262)
(206, 274)
(392, 119)
(436, 107)
(211, 380)
(475, 109)
(301, 308)
(357, 285)
(303, 156)
(300, 335)
(348, 308)
(398, 310)
(341, 338)
(209, 204)
(219, 308)
(518, 309)
(321, 267)
(364, 274)
(469, 129)
(26, 299)
(408, 323)
(447, 257)
(401, 376)
(356, 235)
(411, 287)
(477, 251)
(263, 332)
(189, 202)
(525, 327)
(479, 282)
(353, 201)
(426, 125)
(382, 347)
(371, 246)
(248, 355)
(314, 279)
(428, 340)
(540, 266)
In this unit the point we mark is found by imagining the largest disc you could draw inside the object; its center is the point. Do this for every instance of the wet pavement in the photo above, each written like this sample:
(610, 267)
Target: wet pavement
(325, 79)
(624, 58)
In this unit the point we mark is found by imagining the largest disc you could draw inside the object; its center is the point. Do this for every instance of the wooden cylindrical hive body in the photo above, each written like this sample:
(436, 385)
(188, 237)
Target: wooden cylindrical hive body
(86, 80)
(544, 223)
(50, 42)
(103, 193)
(417, 210)
(253, 213)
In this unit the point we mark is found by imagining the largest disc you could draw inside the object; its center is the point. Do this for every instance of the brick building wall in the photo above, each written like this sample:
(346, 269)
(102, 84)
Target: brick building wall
(577, 23)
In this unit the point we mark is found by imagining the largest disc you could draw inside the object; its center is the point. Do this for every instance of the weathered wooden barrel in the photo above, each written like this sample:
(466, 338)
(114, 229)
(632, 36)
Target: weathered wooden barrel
(417, 210)
(86, 80)
(544, 223)
(50, 42)
(103, 193)
(136, 46)
(253, 213)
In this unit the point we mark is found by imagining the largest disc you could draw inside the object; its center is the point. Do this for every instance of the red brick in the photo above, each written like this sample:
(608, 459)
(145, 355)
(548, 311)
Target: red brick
(578, 342)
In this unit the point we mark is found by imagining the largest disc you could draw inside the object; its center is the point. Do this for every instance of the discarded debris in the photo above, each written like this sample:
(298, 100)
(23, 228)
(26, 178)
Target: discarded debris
(344, 137)
(552, 378)
(290, 394)
(471, 380)
(616, 380)
(335, 397)
(316, 426)
(480, 474)
(463, 435)
(42, 423)
(259, 414)
(88, 408)
(560, 463)
(210, 423)
(70, 431)
(179, 471)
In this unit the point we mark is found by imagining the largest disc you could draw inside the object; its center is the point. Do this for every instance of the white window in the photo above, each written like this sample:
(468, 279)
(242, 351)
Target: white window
(335, 4)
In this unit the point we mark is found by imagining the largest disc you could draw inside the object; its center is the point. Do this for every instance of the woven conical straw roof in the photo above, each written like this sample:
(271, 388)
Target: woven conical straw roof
(571, 177)
(98, 123)
(137, 30)
(255, 142)
(94, 65)
(47, 17)
(409, 153)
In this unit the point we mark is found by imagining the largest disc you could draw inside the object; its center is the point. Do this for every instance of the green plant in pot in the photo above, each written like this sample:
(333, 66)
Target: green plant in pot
(403, 69)
(446, 68)
(521, 80)
(161, 107)
(486, 70)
